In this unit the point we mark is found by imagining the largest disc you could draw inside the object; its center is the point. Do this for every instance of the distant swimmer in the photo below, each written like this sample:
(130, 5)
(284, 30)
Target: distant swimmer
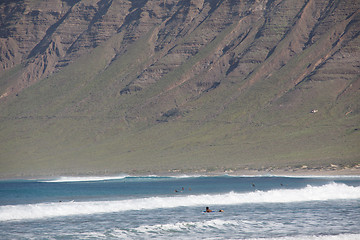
(253, 185)
(208, 209)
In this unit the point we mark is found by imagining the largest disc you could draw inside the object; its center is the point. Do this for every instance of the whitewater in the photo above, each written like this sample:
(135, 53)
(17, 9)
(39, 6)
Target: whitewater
(128, 207)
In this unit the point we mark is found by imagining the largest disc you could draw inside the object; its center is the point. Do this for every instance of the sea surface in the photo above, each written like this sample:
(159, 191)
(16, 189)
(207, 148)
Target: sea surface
(155, 207)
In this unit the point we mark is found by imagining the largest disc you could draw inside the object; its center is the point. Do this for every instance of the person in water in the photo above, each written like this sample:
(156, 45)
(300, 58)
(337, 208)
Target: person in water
(209, 210)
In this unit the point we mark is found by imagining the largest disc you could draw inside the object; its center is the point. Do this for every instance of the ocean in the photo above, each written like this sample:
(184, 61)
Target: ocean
(155, 207)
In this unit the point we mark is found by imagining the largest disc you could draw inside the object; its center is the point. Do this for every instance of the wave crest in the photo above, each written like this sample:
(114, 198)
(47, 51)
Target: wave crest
(84, 179)
(332, 191)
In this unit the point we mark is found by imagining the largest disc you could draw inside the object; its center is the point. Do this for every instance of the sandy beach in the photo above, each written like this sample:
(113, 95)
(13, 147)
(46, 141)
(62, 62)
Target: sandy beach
(331, 170)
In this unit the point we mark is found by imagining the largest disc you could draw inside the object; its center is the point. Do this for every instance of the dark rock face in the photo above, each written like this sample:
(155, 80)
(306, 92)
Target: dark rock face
(48, 35)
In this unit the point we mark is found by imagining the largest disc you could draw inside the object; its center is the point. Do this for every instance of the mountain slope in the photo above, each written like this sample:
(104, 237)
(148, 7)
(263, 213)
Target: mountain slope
(136, 86)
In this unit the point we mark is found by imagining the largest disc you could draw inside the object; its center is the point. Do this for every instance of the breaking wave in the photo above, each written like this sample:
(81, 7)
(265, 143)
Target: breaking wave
(332, 191)
(156, 177)
(84, 179)
(109, 178)
(193, 227)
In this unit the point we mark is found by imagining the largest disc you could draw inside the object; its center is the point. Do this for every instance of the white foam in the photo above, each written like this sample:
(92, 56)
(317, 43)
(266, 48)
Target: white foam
(332, 191)
(296, 176)
(146, 177)
(85, 179)
(191, 229)
(323, 237)
(183, 226)
(106, 178)
(320, 176)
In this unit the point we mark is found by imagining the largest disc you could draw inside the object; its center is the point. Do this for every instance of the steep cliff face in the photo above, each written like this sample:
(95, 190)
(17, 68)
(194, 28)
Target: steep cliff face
(158, 62)
(252, 37)
(46, 35)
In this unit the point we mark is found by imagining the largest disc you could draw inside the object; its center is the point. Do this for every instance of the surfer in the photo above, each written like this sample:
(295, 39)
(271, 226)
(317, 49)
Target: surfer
(208, 209)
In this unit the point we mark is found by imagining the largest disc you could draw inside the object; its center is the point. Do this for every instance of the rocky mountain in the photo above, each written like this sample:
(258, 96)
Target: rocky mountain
(157, 85)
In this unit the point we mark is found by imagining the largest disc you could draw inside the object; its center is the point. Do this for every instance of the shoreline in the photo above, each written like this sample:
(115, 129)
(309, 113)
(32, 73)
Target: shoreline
(278, 172)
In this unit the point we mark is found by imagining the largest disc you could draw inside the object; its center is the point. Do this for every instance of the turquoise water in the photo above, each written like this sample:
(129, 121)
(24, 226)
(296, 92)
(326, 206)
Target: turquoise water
(127, 207)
